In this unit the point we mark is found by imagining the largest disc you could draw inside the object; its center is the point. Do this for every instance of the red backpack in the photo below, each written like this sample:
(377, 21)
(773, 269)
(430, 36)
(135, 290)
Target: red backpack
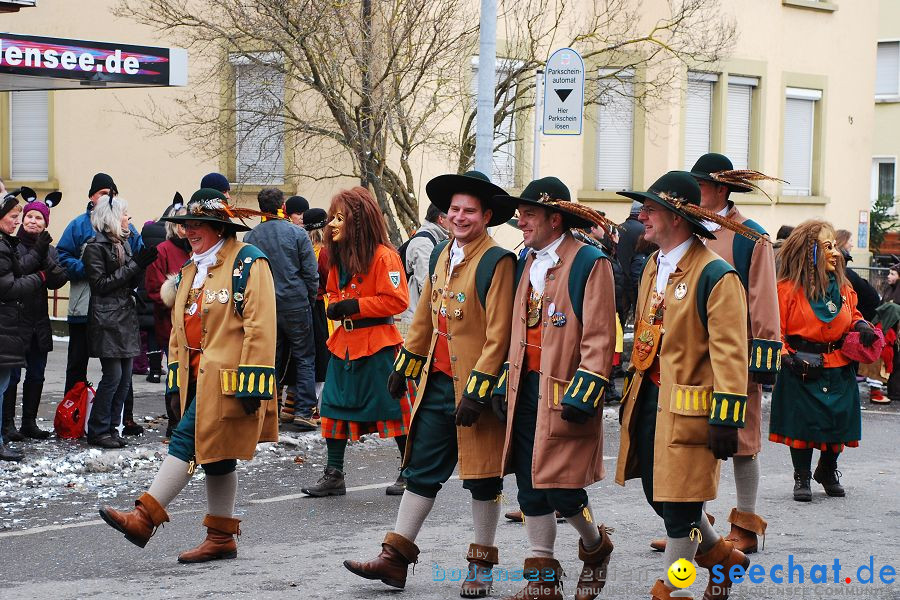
(70, 421)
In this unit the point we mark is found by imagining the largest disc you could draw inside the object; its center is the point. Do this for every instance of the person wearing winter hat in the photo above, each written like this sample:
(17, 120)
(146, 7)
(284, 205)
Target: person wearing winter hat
(294, 208)
(35, 323)
(216, 181)
(70, 246)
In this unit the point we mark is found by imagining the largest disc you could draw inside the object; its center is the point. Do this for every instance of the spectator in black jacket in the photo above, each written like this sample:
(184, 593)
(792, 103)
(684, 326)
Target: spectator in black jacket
(867, 300)
(631, 231)
(38, 340)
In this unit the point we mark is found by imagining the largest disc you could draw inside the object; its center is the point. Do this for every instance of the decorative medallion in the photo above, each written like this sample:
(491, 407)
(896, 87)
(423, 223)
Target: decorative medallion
(680, 291)
(458, 314)
(460, 297)
(192, 310)
(558, 319)
(238, 297)
(209, 295)
(222, 296)
(831, 306)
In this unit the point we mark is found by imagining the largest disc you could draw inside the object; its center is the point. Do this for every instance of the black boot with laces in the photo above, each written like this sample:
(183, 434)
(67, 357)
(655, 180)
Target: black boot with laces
(802, 491)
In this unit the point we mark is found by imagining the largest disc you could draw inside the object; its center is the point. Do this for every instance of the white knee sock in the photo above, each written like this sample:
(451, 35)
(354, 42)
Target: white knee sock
(170, 480)
(220, 494)
(746, 482)
(708, 535)
(541, 534)
(485, 515)
(413, 511)
(585, 525)
(677, 548)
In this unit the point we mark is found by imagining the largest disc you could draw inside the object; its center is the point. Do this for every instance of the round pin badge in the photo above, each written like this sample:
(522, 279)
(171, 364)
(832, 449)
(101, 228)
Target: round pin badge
(680, 291)
(223, 296)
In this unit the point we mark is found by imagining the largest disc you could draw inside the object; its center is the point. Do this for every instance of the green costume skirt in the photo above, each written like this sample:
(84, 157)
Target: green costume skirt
(822, 414)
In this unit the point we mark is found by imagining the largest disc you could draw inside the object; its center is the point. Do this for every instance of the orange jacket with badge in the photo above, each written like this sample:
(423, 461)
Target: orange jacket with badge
(382, 292)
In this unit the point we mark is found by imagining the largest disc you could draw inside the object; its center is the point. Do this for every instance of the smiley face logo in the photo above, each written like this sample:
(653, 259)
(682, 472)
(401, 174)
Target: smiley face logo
(682, 573)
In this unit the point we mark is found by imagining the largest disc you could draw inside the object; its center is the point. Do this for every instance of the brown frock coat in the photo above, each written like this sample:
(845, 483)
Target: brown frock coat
(566, 454)
(699, 366)
(232, 346)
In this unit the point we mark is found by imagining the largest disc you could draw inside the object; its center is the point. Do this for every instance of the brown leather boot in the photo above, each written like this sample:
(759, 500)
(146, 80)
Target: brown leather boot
(593, 573)
(542, 575)
(659, 545)
(745, 526)
(140, 524)
(659, 591)
(397, 553)
(219, 542)
(481, 561)
(725, 554)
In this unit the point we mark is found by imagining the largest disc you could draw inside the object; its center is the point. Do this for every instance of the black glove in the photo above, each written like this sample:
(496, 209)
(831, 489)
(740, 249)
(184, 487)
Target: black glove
(42, 243)
(396, 385)
(251, 405)
(468, 411)
(867, 335)
(574, 415)
(762, 378)
(788, 362)
(145, 257)
(723, 441)
(498, 405)
(343, 309)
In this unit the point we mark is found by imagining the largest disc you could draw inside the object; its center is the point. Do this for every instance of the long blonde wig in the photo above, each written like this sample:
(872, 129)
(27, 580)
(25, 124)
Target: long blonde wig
(803, 260)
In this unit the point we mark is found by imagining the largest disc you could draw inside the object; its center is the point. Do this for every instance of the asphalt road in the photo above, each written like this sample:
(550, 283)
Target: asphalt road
(53, 545)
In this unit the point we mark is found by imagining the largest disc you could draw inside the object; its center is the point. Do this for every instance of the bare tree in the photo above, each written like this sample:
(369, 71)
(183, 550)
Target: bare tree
(365, 85)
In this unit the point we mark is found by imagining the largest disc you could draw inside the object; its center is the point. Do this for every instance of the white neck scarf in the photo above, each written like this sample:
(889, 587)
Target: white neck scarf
(457, 254)
(204, 261)
(544, 260)
(666, 263)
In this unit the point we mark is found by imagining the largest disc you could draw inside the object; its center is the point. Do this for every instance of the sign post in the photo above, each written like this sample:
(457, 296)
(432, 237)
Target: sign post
(564, 93)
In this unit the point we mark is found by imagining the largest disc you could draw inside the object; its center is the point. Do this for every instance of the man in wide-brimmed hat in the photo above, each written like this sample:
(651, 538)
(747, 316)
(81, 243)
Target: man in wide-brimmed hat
(685, 401)
(755, 263)
(455, 347)
(551, 393)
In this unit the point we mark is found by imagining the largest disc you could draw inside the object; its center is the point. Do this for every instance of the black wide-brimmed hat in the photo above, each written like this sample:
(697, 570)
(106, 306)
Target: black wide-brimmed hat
(552, 194)
(674, 191)
(715, 168)
(212, 206)
(314, 218)
(441, 189)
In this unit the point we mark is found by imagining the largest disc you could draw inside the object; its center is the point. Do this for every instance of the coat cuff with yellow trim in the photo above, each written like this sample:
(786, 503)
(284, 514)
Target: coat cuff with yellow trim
(728, 409)
(255, 381)
(585, 391)
(409, 364)
(500, 388)
(479, 387)
(765, 356)
(172, 386)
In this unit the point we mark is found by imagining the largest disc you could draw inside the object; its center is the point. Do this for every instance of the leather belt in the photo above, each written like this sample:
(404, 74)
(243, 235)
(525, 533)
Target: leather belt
(351, 324)
(800, 344)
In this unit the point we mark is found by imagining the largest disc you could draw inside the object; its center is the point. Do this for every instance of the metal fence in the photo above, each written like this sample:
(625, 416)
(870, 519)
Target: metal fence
(876, 276)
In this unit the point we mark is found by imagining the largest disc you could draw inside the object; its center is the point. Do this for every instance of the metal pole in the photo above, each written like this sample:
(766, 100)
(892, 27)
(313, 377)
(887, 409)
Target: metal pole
(538, 123)
(484, 116)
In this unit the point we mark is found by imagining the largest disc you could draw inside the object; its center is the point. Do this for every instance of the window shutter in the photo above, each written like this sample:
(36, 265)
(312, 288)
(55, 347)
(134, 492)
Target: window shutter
(698, 116)
(737, 133)
(260, 131)
(503, 171)
(798, 145)
(887, 77)
(615, 135)
(29, 136)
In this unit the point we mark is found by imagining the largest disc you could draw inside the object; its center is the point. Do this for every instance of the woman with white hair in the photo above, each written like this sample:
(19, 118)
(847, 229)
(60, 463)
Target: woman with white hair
(112, 273)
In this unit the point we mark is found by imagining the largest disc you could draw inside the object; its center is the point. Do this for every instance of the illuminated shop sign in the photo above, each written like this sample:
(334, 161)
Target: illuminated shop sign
(48, 63)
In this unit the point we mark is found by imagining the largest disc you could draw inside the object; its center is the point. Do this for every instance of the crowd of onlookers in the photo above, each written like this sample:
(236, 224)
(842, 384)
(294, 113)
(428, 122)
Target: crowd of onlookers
(117, 311)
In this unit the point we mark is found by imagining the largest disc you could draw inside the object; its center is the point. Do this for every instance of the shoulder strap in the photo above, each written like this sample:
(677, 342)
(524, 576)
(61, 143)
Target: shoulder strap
(241, 272)
(435, 254)
(582, 266)
(709, 277)
(484, 272)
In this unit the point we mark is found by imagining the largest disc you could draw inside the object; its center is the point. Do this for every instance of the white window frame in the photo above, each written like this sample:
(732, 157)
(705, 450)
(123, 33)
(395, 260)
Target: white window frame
(623, 77)
(795, 188)
(747, 82)
(34, 130)
(893, 96)
(876, 162)
(248, 174)
(698, 77)
(504, 162)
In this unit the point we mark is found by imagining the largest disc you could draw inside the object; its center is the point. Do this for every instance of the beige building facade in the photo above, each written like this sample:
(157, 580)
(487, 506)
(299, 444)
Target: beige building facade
(793, 99)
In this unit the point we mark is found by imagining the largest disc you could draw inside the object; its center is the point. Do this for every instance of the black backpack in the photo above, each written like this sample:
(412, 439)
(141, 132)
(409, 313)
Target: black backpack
(405, 245)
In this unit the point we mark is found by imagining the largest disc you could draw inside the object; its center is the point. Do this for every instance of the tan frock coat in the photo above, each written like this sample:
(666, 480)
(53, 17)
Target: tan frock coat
(700, 368)
(478, 344)
(566, 455)
(755, 264)
(233, 349)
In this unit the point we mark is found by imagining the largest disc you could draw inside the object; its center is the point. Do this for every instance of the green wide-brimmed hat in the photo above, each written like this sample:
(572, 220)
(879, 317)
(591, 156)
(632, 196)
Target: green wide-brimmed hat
(673, 191)
(212, 206)
(441, 189)
(552, 194)
(715, 167)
